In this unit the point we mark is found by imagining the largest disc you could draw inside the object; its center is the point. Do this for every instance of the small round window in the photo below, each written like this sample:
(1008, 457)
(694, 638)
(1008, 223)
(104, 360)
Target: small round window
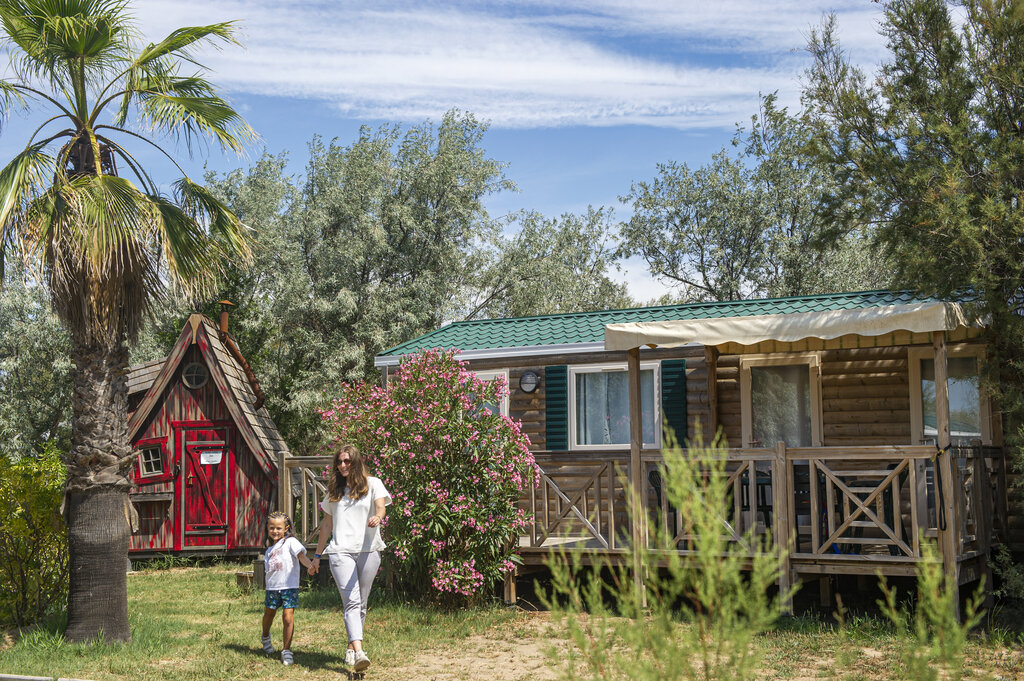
(194, 375)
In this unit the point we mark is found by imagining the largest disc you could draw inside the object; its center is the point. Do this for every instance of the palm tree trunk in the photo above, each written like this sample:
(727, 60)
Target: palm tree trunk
(98, 511)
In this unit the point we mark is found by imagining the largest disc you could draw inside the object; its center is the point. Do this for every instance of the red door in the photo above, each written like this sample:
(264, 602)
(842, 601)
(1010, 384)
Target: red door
(205, 462)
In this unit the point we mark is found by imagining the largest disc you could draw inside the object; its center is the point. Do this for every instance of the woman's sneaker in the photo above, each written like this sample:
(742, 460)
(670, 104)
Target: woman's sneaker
(286, 657)
(268, 647)
(362, 661)
(350, 657)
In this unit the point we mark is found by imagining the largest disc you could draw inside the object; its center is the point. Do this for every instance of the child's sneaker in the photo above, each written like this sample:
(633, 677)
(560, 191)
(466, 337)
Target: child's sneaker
(350, 657)
(268, 647)
(286, 657)
(362, 661)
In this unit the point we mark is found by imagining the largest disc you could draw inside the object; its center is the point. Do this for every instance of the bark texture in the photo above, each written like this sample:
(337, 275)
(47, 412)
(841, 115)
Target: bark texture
(98, 512)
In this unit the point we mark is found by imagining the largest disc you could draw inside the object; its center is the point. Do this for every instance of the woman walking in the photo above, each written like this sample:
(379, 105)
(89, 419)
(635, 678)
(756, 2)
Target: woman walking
(353, 510)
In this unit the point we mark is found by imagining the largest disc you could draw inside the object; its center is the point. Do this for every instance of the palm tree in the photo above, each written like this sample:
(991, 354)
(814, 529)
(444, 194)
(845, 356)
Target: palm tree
(108, 245)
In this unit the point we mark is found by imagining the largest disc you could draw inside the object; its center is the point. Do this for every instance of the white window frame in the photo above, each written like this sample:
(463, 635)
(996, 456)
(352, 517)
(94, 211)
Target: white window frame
(914, 357)
(142, 461)
(489, 376)
(813, 362)
(616, 366)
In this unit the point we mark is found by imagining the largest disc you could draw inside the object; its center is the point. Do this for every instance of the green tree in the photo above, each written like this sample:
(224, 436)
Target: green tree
(550, 266)
(749, 223)
(102, 238)
(930, 151)
(35, 386)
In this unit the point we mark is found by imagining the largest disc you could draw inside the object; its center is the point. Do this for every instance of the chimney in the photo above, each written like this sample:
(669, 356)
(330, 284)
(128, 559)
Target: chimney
(225, 307)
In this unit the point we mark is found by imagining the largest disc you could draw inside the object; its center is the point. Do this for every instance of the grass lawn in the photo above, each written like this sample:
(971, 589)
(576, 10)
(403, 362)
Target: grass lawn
(194, 623)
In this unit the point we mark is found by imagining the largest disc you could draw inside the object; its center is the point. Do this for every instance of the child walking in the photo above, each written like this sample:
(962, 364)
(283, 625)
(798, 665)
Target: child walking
(282, 581)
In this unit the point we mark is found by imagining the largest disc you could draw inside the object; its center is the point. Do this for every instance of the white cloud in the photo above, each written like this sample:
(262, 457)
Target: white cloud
(519, 64)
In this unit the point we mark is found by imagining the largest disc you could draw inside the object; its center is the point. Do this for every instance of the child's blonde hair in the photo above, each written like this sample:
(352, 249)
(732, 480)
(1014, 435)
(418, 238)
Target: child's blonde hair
(281, 515)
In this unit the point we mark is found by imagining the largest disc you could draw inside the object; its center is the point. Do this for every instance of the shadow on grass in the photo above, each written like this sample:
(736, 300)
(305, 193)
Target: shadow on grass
(306, 659)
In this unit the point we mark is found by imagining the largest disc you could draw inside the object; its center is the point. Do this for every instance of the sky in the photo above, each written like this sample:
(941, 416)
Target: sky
(583, 97)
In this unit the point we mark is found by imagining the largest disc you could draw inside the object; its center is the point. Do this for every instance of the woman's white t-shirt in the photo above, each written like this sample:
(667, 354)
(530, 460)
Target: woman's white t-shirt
(350, 533)
(281, 563)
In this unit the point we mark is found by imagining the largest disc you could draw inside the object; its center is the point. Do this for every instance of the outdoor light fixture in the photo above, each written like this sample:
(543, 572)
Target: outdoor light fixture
(529, 381)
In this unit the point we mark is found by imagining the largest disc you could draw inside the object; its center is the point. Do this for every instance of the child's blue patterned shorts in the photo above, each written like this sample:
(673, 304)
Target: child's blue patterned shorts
(285, 598)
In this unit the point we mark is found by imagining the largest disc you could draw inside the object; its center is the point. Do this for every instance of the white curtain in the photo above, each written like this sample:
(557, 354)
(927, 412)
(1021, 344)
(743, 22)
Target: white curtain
(602, 407)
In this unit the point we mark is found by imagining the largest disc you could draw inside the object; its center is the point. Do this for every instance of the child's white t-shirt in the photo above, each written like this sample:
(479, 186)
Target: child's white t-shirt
(282, 564)
(350, 533)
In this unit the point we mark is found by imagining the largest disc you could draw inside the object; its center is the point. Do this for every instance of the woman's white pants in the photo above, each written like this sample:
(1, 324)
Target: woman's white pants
(354, 574)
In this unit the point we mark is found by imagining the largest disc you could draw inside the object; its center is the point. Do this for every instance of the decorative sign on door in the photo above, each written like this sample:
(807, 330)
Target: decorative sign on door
(208, 457)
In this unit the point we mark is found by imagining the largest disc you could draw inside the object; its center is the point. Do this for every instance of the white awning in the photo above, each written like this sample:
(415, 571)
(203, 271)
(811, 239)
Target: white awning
(870, 321)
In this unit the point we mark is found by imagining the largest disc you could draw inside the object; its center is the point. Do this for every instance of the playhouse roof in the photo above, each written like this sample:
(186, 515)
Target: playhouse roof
(255, 426)
(585, 331)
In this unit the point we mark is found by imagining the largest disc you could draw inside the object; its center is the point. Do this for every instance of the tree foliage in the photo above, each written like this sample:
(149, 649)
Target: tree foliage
(930, 152)
(749, 222)
(377, 242)
(35, 386)
(33, 544)
(550, 266)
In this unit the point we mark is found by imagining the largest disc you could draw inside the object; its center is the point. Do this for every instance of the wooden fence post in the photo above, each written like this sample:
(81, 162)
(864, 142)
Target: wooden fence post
(944, 465)
(782, 495)
(636, 441)
(284, 488)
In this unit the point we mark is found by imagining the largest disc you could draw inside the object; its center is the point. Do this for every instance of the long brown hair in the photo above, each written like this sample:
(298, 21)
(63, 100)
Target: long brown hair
(356, 481)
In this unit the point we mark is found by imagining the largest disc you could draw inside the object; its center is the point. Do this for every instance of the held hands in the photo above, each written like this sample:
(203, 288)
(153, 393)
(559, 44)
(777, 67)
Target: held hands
(314, 566)
(374, 521)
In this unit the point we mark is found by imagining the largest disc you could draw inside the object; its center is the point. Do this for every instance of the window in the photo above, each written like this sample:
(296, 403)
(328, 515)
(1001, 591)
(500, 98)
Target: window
(151, 461)
(194, 375)
(968, 412)
(781, 400)
(599, 406)
(490, 376)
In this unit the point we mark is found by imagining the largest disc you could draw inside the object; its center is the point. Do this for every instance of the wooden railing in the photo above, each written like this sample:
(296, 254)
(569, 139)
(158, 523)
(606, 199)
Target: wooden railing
(301, 486)
(872, 504)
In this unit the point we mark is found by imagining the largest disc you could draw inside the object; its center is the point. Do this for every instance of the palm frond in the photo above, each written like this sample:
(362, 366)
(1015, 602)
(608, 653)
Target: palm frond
(10, 97)
(24, 177)
(56, 37)
(192, 264)
(196, 118)
(231, 238)
(181, 41)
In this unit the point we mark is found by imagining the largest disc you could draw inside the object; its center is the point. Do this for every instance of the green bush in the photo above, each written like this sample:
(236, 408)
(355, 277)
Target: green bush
(33, 543)
(694, 617)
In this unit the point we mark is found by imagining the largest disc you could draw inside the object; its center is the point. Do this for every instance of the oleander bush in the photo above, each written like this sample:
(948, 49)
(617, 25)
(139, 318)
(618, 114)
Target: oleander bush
(455, 468)
(33, 542)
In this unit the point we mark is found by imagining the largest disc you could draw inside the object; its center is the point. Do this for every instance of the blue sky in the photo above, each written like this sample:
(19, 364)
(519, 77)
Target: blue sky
(583, 96)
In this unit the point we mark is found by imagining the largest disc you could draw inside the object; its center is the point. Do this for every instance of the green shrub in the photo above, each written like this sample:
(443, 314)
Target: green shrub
(33, 543)
(938, 634)
(695, 616)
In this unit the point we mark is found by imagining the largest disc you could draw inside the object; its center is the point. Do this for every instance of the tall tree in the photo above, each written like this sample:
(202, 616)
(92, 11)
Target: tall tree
(749, 222)
(931, 151)
(550, 266)
(101, 238)
(35, 390)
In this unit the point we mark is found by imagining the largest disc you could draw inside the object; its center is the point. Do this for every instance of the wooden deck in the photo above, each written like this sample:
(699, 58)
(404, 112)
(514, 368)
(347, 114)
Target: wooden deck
(866, 512)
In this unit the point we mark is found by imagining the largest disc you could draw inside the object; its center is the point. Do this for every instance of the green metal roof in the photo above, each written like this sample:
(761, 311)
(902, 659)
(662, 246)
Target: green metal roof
(588, 327)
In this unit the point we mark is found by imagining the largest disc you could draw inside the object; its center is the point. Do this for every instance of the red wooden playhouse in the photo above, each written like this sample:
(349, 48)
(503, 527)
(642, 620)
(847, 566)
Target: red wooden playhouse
(206, 473)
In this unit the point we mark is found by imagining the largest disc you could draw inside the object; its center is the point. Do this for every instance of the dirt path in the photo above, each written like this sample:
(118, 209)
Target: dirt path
(514, 655)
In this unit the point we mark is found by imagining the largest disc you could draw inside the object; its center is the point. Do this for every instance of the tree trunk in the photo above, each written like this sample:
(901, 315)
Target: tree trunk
(98, 511)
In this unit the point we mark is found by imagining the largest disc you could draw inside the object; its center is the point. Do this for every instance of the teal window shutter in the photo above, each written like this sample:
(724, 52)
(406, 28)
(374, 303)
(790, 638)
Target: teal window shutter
(556, 407)
(673, 396)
